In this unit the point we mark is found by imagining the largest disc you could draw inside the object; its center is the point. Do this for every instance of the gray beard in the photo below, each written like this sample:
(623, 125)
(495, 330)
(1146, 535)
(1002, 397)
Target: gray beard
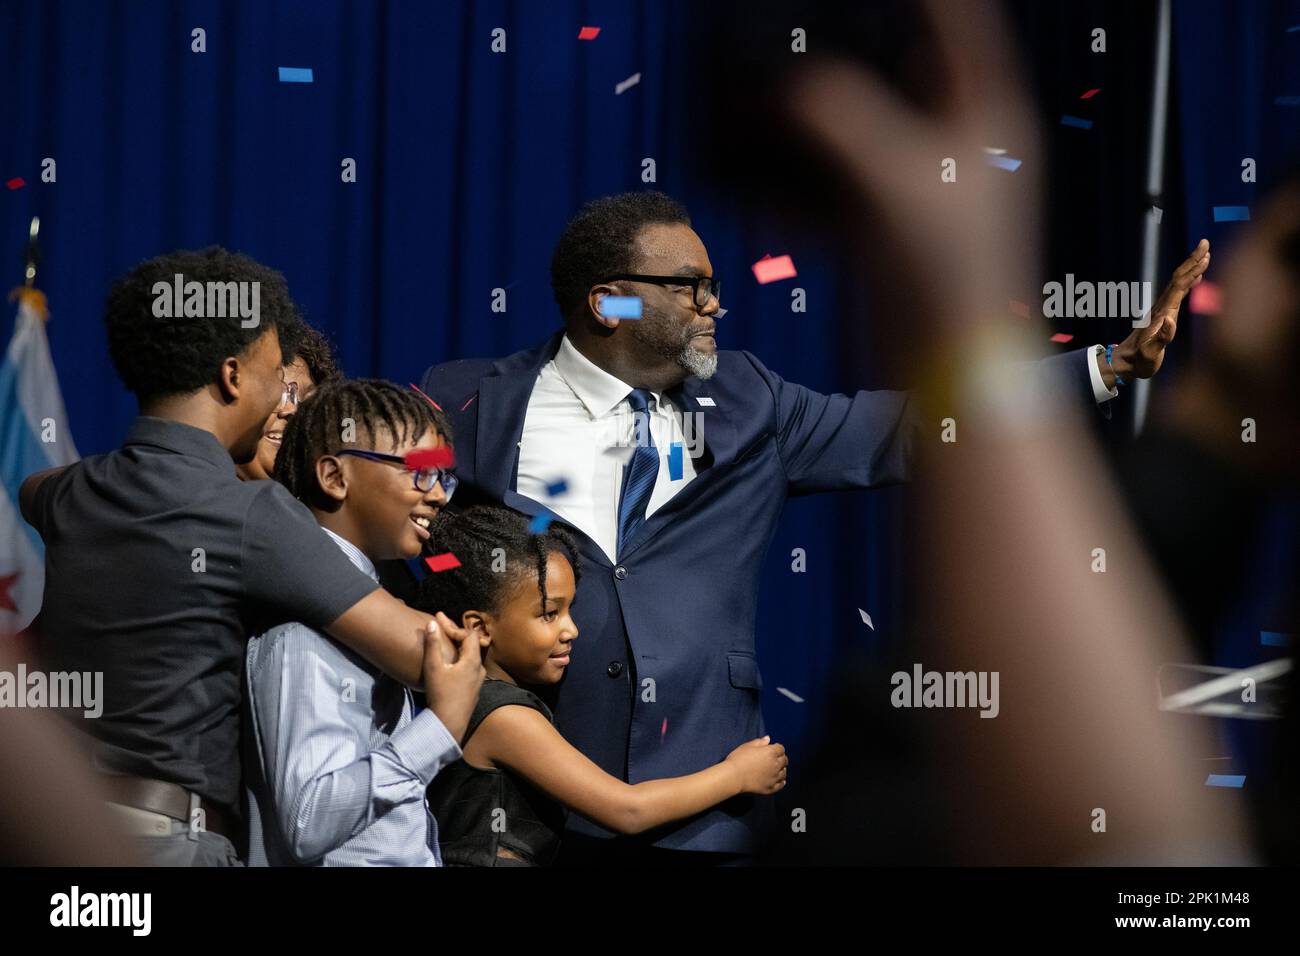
(698, 364)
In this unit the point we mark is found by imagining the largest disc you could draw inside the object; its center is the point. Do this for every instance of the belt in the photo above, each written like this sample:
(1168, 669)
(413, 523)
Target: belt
(169, 799)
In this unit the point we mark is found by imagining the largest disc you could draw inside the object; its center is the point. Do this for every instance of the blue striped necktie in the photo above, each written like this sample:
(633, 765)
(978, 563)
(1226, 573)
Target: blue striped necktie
(640, 472)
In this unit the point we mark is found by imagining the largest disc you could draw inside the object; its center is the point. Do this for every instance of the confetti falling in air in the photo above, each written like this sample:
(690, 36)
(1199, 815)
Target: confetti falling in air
(1206, 298)
(588, 33)
(1231, 213)
(994, 151)
(866, 619)
(442, 562)
(16, 183)
(1004, 162)
(1062, 337)
(1020, 308)
(1076, 122)
(1226, 780)
(442, 457)
(621, 307)
(468, 402)
(706, 402)
(663, 730)
(295, 74)
(773, 270)
(557, 487)
(426, 397)
(791, 694)
(627, 84)
(1158, 213)
(540, 523)
(1275, 638)
(721, 312)
(675, 461)
(1090, 94)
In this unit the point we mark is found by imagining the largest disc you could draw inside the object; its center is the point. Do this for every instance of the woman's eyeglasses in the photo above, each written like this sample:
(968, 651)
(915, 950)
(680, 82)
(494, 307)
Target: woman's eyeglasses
(425, 478)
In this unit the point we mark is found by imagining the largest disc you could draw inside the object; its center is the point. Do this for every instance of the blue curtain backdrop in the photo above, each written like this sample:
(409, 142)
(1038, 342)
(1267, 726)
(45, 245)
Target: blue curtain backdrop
(469, 163)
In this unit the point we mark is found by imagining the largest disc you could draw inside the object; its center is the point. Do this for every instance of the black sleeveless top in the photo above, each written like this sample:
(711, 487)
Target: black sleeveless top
(465, 801)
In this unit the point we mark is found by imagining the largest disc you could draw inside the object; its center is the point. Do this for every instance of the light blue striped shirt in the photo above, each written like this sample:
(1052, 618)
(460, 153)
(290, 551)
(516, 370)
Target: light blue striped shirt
(341, 764)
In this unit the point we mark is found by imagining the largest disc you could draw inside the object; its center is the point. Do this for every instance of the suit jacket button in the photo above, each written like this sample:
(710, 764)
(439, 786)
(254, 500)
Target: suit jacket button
(620, 572)
(614, 669)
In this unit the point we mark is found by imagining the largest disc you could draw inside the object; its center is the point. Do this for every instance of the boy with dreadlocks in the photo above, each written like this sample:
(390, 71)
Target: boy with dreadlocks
(503, 803)
(338, 762)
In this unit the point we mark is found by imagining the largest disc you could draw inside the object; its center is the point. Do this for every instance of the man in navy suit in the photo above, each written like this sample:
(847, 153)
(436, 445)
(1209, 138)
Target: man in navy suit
(671, 536)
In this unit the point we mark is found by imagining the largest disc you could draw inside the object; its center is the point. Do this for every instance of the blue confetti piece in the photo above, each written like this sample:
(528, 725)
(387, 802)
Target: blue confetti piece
(1004, 162)
(1076, 121)
(557, 487)
(621, 307)
(1275, 638)
(675, 461)
(295, 74)
(1231, 213)
(1226, 780)
(540, 523)
(1287, 101)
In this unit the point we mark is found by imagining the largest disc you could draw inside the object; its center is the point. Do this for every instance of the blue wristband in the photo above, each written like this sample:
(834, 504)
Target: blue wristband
(1118, 379)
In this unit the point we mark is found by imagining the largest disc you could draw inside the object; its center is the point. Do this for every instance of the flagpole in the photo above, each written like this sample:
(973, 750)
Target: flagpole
(33, 252)
(27, 293)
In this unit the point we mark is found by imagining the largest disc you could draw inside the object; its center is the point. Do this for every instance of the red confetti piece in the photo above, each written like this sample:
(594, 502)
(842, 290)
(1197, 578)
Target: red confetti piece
(1021, 309)
(773, 270)
(16, 183)
(1206, 298)
(442, 562)
(1061, 337)
(467, 404)
(1090, 94)
(442, 457)
(663, 730)
(426, 397)
(588, 33)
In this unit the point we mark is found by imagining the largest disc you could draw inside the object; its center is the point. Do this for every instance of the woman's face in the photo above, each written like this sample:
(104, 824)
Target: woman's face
(268, 446)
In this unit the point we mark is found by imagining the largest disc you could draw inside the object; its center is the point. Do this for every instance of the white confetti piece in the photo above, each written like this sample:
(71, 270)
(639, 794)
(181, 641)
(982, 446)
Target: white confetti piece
(866, 619)
(721, 312)
(1158, 213)
(994, 152)
(630, 82)
(707, 402)
(791, 694)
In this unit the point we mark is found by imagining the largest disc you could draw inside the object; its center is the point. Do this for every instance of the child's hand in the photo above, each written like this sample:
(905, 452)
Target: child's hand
(453, 675)
(760, 765)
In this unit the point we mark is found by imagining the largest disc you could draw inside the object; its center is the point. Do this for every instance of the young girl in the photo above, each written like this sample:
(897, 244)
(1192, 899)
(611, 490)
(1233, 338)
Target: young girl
(504, 802)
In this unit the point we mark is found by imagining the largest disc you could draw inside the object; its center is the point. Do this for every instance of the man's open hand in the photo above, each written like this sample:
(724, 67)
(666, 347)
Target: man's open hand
(1141, 354)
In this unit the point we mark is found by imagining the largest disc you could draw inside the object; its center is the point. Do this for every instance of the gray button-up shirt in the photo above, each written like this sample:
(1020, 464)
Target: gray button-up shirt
(341, 763)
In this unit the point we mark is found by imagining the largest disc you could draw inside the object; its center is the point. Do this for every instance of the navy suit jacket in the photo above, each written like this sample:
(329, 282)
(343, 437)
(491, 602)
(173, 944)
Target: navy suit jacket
(679, 605)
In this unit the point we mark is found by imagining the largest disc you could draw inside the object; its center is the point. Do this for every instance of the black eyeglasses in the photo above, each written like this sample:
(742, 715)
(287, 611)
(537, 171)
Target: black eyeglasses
(701, 286)
(425, 478)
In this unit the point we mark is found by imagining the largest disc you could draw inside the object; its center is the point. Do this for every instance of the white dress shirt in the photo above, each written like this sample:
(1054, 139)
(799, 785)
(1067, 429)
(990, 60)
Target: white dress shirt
(580, 427)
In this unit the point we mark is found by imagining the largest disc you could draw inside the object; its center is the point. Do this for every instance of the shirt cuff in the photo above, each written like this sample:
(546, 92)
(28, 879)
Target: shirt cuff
(426, 745)
(1099, 390)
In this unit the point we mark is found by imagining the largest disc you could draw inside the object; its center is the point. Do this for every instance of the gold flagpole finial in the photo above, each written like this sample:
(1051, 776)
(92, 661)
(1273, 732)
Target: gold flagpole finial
(33, 252)
(27, 293)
